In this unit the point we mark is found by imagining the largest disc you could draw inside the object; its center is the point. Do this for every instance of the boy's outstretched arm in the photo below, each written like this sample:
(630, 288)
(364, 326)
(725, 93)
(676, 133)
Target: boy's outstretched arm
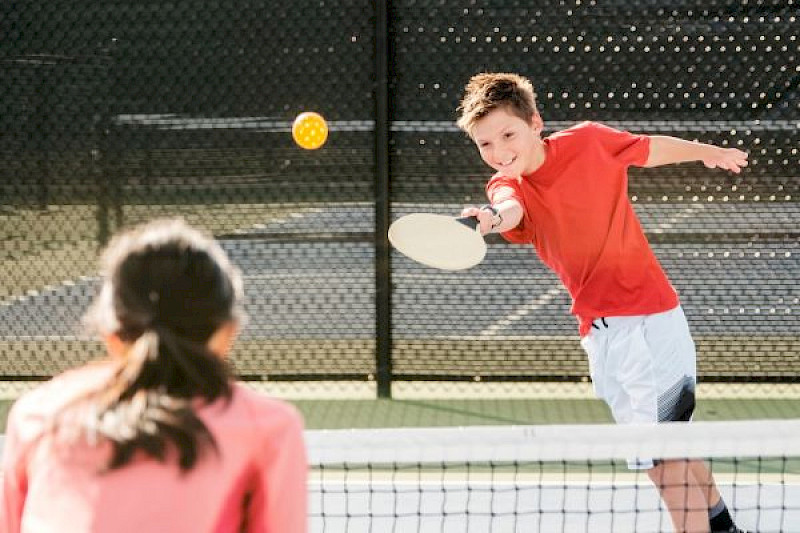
(509, 215)
(666, 150)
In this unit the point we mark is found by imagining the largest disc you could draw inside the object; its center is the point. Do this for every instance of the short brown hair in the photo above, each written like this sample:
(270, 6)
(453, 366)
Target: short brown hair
(488, 91)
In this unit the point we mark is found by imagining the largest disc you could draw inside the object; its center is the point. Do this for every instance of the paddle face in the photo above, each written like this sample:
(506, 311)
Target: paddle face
(439, 241)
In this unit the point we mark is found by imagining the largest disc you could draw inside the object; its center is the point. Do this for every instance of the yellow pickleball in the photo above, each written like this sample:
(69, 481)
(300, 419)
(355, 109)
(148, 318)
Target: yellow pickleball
(309, 130)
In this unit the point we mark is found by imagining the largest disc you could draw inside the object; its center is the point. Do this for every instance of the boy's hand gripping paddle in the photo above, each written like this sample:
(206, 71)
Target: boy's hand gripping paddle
(439, 241)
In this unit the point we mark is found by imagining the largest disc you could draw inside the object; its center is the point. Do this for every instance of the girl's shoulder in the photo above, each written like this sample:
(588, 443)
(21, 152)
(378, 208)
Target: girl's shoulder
(64, 387)
(261, 409)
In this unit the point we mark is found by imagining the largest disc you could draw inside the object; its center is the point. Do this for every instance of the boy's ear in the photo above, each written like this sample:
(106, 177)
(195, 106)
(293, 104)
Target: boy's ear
(536, 122)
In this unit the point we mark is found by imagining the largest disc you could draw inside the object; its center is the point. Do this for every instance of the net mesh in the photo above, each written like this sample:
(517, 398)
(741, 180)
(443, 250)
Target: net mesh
(119, 112)
(545, 478)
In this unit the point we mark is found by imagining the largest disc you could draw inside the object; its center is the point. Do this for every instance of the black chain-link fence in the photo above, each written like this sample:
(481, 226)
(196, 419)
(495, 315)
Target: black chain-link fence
(118, 112)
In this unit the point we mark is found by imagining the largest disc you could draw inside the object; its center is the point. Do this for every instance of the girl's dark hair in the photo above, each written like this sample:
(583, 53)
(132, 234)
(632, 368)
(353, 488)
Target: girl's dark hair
(167, 288)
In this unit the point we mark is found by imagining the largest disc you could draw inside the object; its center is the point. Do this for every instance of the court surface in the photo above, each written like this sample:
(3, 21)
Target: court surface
(329, 251)
(310, 298)
(517, 506)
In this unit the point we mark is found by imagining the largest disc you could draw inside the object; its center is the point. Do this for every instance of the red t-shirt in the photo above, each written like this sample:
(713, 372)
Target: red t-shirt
(578, 216)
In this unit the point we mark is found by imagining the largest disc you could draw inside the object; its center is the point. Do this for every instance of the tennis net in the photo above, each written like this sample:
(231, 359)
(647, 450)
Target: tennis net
(560, 478)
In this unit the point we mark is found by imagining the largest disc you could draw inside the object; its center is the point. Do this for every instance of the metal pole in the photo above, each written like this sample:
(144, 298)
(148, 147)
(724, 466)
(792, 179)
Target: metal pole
(383, 271)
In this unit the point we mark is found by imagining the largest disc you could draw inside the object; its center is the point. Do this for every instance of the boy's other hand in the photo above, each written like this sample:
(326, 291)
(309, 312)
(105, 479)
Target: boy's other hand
(731, 159)
(484, 217)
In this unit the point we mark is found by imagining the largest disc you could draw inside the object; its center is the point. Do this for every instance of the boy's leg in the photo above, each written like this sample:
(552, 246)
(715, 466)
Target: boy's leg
(703, 507)
(705, 480)
(683, 495)
(644, 368)
(718, 515)
(677, 403)
(628, 374)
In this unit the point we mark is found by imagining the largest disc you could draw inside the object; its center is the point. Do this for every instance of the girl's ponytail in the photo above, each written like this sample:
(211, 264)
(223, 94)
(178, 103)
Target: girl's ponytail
(167, 290)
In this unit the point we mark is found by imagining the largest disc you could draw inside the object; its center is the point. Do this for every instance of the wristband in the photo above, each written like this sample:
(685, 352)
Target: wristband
(497, 219)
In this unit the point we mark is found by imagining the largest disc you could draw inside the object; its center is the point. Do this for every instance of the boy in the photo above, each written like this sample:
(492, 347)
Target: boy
(566, 195)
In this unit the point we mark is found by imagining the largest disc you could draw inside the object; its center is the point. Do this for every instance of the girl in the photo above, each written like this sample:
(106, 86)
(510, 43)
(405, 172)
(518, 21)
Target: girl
(158, 437)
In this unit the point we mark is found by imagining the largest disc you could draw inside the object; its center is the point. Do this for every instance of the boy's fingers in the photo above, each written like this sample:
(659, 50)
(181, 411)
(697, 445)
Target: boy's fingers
(485, 220)
(739, 163)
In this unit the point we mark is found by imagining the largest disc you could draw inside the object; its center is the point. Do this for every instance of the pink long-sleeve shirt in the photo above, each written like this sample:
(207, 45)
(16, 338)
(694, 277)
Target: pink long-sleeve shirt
(258, 478)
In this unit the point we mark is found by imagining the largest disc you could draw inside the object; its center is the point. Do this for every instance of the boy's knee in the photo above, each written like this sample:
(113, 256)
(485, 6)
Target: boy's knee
(670, 472)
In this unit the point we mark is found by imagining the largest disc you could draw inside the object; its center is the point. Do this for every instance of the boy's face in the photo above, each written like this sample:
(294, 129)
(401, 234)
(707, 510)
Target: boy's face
(509, 144)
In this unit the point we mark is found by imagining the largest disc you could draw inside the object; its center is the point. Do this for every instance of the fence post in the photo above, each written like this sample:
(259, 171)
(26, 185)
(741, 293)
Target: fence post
(383, 271)
(109, 190)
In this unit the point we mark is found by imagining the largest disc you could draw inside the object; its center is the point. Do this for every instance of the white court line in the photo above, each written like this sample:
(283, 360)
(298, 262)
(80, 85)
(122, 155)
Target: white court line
(50, 338)
(687, 212)
(522, 311)
(35, 293)
(305, 275)
(278, 221)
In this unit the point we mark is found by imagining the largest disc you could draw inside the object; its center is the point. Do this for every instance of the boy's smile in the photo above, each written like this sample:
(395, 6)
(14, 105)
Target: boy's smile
(509, 144)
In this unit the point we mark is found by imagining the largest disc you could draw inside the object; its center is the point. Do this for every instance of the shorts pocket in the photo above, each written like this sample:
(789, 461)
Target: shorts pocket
(595, 352)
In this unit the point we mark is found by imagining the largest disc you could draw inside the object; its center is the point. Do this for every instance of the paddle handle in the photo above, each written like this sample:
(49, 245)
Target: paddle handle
(470, 222)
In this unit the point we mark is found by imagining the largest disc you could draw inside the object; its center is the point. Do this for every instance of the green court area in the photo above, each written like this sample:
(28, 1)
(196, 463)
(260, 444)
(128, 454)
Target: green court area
(342, 414)
(332, 414)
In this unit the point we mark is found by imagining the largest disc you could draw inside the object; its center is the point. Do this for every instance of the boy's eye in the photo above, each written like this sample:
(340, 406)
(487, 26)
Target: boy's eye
(509, 134)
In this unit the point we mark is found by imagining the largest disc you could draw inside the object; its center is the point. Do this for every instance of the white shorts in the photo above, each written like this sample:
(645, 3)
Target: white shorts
(644, 367)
